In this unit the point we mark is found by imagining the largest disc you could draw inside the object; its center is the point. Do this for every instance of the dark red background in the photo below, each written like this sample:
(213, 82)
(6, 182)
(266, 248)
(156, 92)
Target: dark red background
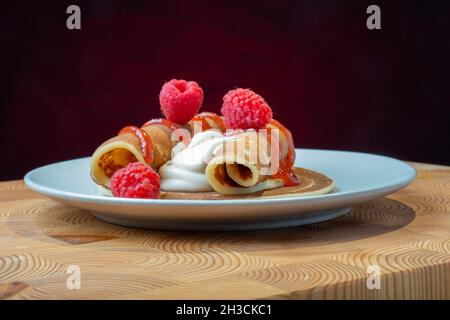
(332, 81)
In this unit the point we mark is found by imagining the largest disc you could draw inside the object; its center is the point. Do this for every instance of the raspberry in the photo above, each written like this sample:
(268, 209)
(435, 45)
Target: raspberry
(244, 109)
(136, 180)
(180, 100)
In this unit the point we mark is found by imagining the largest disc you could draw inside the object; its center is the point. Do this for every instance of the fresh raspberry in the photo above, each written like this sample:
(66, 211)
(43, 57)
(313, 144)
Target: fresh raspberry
(136, 180)
(180, 100)
(244, 109)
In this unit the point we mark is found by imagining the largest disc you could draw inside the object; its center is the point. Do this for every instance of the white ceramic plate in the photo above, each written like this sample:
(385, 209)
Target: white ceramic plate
(358, 177)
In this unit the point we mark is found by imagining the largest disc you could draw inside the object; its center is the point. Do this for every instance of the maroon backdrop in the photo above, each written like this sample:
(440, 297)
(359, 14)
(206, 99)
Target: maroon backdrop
(332, 81)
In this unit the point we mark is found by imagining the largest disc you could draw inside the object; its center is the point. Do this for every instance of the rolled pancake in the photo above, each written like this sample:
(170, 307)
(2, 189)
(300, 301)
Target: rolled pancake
(123, 149)
(225, 177)
(237, 168)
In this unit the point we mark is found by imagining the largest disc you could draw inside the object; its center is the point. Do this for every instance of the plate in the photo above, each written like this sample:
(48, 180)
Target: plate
(358, 177)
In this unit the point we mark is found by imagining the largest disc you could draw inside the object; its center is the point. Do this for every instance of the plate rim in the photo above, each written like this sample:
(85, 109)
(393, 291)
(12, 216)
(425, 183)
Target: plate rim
(99, 199)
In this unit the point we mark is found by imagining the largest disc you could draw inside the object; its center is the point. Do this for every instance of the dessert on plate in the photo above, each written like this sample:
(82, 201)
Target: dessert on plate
(243, 152)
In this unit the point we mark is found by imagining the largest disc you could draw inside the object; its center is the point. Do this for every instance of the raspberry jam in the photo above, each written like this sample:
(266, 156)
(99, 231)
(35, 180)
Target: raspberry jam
(288, 175)
(161, 121)
(203, 116)
(145, 140)
(285, 171)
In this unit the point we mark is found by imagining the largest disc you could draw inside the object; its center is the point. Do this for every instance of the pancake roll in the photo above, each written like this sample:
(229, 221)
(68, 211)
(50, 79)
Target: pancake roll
(151, 144)
(247, 164)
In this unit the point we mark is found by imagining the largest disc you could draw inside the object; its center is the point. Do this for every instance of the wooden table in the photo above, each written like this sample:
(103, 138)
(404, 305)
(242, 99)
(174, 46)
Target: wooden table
(406, 235)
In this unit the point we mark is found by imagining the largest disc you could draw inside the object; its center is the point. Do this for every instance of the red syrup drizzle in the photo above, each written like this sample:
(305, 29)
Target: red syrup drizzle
(145, 141)
(161, 121)
(285, 171)
(203, 116)
(144, 138)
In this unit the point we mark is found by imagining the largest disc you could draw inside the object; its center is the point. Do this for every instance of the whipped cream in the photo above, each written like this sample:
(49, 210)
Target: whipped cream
(186, 170)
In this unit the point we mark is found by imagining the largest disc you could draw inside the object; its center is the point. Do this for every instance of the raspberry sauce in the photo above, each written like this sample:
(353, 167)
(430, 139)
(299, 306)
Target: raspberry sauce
(161, 121)
(203, 116)
(285, 171)
(145, 140)
(287, 174)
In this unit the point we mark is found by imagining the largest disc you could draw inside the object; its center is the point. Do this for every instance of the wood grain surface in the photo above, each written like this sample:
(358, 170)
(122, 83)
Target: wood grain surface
(406, 235)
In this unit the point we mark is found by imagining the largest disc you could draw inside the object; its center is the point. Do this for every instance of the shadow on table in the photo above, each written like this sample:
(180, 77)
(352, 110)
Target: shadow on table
(75, 226)
(370, 219)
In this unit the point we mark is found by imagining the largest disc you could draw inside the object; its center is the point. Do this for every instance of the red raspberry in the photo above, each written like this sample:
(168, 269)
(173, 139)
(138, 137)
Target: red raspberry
(244, 109)
(180, 100)
(136, 180)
